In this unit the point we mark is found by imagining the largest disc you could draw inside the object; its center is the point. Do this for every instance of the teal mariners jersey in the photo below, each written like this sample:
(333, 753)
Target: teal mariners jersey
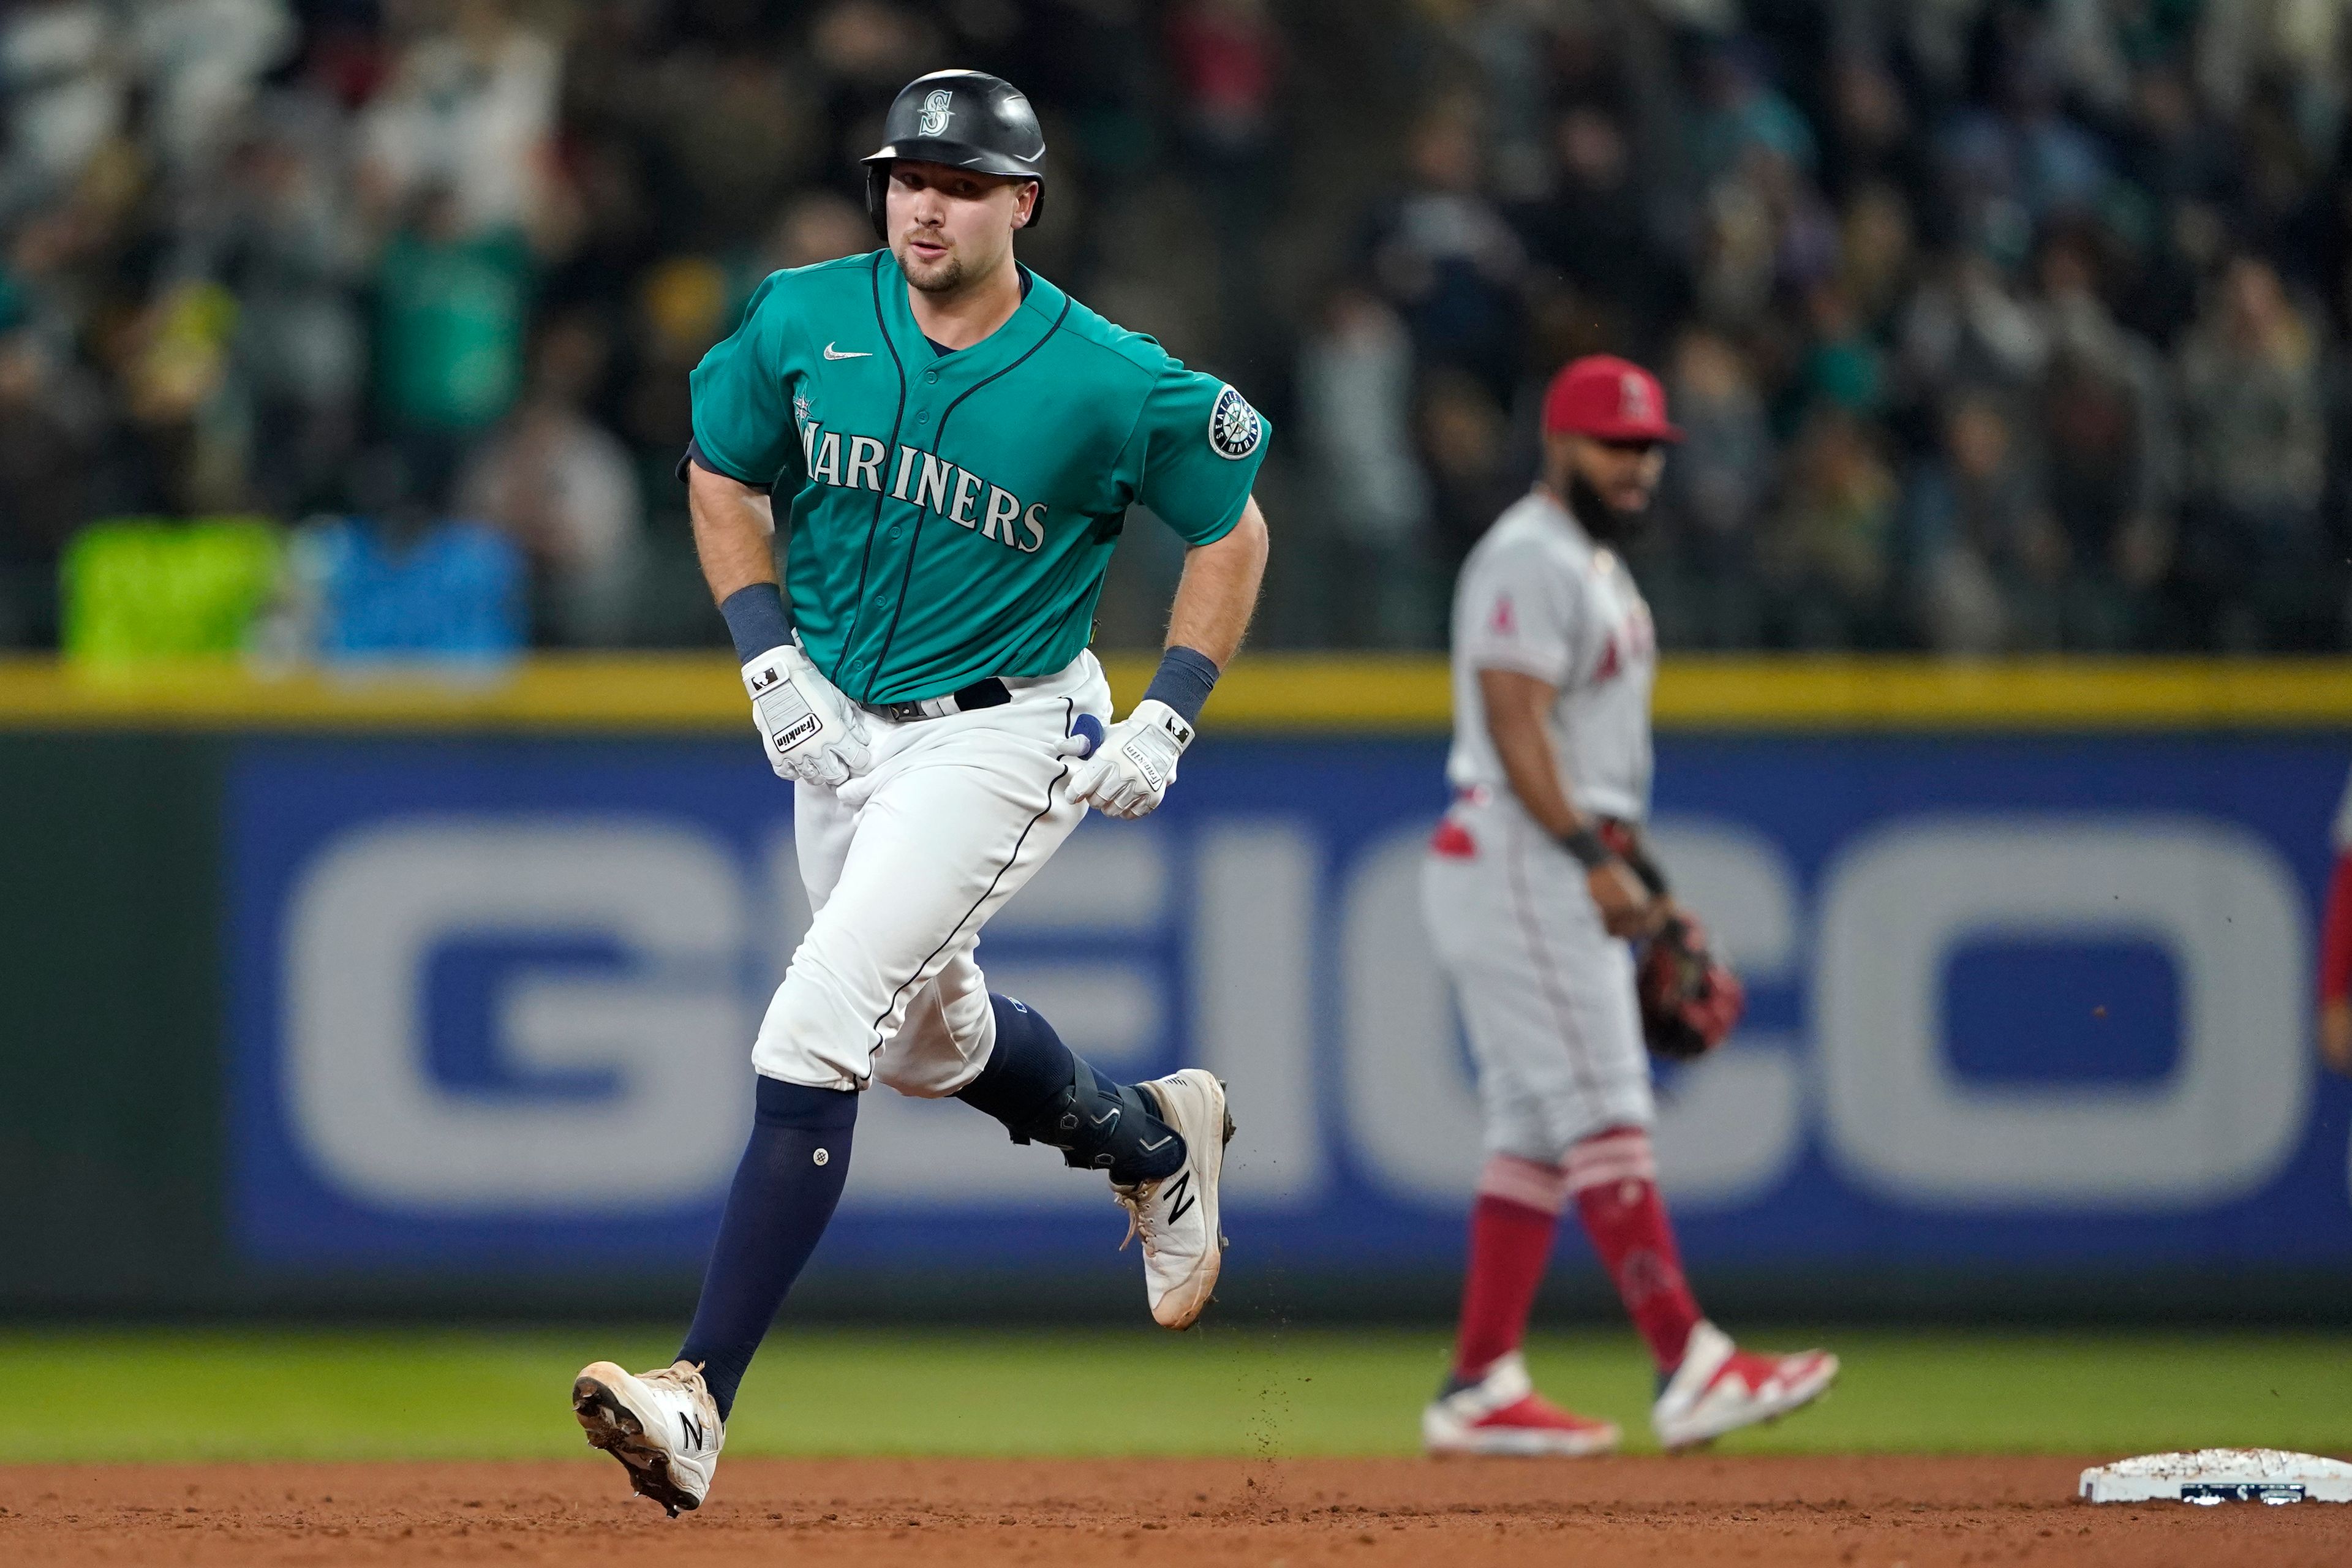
(952, 515)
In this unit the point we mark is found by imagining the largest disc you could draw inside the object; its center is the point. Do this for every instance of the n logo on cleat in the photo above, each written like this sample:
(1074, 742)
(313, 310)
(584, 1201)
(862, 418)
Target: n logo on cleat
(693, 1430)
(1180, 1197)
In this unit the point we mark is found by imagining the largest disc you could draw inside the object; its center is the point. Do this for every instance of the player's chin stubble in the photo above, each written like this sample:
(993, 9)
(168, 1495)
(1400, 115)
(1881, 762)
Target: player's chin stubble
(941, 277)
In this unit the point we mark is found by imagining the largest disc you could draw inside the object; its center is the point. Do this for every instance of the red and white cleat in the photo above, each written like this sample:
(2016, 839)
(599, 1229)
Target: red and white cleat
(1503, 1414)
(1720, 1388)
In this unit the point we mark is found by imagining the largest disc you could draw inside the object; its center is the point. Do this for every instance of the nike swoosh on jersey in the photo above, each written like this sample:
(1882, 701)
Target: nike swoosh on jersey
(831, 352)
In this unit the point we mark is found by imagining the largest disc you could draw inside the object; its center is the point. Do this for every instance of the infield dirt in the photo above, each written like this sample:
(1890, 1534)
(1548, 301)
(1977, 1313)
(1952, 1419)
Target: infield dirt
(1876, 1513)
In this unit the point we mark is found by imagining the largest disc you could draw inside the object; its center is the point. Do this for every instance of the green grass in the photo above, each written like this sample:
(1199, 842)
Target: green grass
(366, 1395)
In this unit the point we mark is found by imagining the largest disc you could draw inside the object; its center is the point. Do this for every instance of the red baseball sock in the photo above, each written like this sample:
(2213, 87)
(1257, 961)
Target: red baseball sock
(1614, 1177)
(1511, 1227)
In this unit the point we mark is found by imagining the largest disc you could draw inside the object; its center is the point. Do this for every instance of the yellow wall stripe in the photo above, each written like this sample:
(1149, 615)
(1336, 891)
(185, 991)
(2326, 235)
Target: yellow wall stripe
(1403, 694)
(1798, 693)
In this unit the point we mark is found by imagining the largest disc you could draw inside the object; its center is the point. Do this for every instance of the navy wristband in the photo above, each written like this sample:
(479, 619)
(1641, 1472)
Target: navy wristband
(757, 620)
(1182, 682)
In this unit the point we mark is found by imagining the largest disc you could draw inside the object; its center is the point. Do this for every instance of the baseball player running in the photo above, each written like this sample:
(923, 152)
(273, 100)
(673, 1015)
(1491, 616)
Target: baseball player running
(1535, 880)
(953, 443)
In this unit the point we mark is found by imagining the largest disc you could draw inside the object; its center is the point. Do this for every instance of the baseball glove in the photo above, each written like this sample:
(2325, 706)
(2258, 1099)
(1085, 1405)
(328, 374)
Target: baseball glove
(1690, 1000)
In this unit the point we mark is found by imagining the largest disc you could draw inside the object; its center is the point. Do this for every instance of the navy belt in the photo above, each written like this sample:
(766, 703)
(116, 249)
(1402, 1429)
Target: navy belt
(988, 693)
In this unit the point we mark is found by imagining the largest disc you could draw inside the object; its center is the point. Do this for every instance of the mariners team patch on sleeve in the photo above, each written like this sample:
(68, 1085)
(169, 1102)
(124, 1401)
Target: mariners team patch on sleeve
(1235, 429)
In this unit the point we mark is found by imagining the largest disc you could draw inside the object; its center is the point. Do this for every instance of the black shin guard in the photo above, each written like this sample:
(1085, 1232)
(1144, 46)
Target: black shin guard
(1100, 1125)
(1045, 1093)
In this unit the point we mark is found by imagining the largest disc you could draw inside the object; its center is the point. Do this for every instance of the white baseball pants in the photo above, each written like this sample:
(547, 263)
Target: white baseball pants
(1546, 992)
(903, 864)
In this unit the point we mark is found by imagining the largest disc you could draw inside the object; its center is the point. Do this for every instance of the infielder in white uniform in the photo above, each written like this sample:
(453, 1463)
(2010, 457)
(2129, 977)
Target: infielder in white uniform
(950, 444)
(1535, 881)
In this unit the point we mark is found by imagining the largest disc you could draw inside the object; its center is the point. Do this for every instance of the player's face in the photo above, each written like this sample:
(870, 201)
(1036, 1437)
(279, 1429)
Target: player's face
(951, 226)
(1624, 474)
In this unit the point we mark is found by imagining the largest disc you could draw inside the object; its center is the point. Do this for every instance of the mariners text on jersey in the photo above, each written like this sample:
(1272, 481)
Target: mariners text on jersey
(951, 515)
(822, 459)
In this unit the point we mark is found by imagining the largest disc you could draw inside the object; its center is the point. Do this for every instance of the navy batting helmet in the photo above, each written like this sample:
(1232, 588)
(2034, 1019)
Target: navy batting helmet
(965, 119)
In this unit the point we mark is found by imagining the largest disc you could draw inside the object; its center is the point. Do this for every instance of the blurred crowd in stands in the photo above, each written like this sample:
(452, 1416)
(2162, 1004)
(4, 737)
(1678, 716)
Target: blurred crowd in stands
(1997, 325)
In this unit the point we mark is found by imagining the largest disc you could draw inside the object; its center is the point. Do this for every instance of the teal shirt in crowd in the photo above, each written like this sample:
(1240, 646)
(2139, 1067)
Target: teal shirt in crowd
(952, 515)
(452, 319)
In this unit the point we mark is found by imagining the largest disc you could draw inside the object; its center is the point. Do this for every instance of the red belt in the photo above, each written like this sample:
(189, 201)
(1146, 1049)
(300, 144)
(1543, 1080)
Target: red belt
(1613, 828)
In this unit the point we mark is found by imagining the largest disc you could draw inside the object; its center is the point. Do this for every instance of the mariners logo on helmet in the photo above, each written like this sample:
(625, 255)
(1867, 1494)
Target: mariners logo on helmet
(935, 112)
(1235, 429)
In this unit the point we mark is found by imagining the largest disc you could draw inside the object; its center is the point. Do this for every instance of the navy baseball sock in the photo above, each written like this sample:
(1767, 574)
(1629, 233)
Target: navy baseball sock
(784, 1195)
(1044, 1092)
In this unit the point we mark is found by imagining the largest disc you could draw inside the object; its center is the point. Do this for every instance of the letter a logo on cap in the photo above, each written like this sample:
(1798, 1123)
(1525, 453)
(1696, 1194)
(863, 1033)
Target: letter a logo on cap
(1635, 402)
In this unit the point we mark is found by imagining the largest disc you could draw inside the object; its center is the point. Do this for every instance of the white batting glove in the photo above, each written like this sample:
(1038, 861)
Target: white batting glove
(811, 734)
(1130, 773)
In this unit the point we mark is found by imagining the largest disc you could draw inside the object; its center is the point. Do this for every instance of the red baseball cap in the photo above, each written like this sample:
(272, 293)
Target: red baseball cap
(1609, 399)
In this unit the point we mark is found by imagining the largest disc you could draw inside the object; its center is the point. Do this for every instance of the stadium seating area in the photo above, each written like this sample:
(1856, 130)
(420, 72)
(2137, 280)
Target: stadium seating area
(1998, 325)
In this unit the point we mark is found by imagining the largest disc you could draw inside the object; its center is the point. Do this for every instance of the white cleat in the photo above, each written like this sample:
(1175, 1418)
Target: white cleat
(662, 1426)
(1177, 1215)
(1501, 1413)
(1720, 1388)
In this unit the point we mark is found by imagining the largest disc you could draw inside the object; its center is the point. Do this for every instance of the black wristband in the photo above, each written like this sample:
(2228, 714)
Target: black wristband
(1182, 682)
(1626, 842)
(757, 620)
(1586, 846)
(1638, 861)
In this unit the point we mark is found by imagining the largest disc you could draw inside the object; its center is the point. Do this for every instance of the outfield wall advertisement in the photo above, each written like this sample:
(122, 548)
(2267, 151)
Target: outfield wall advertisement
(2016, 1003)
